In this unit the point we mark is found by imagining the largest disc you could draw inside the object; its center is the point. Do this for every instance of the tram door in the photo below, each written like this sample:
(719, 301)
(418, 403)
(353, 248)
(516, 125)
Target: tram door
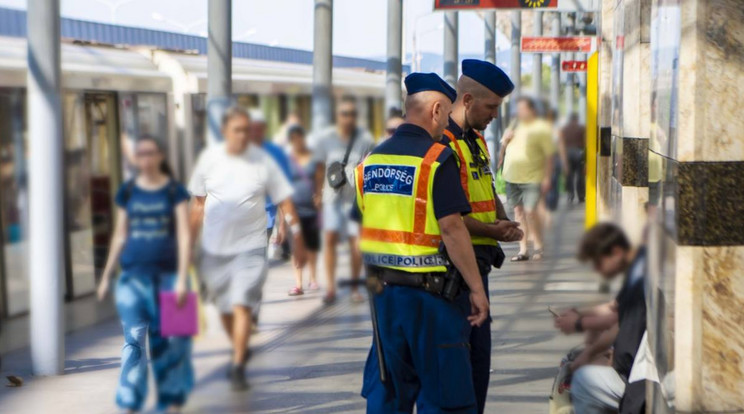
(92, 173)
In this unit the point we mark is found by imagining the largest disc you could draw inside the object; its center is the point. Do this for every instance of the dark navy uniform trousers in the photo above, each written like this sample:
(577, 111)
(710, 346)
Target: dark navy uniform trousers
(425, 345)
(480, 348)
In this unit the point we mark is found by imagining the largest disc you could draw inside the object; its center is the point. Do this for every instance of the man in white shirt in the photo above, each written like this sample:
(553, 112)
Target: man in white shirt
(230, 184)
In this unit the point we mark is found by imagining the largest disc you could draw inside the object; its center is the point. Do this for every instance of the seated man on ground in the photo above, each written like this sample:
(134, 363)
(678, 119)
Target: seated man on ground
(598, 384)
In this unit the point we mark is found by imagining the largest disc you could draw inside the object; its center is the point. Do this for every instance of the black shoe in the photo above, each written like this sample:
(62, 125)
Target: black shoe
(237, 378)
(247, 357)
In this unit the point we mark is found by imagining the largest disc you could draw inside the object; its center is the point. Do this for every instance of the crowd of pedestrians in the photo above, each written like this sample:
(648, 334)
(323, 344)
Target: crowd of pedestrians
(304, 194)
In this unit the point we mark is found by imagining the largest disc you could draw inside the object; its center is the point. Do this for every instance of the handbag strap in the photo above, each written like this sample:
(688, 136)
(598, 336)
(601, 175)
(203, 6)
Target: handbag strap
(352, 138)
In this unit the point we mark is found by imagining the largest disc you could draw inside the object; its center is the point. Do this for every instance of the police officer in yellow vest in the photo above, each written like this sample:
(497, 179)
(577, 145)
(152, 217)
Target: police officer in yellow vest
(410, 201)
(480, 91)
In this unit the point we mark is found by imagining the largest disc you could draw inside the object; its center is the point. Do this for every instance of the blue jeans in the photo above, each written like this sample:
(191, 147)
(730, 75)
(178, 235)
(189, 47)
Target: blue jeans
(596, 390)
(137, 304)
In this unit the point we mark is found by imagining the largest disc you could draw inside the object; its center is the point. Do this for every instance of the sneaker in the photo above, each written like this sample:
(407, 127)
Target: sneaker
(237, 378)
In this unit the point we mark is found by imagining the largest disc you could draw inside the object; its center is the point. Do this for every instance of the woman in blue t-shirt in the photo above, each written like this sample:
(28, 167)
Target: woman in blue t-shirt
(151, 243)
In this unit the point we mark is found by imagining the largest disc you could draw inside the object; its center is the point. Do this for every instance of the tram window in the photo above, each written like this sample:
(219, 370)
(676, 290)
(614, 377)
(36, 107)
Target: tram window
(199, 122)
(90, 136)
(13, 202)
(141, 114)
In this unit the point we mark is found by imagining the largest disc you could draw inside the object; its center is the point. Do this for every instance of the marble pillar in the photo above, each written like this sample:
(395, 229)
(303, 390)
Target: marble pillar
(631, 83)
(696, 243)
(604, 160)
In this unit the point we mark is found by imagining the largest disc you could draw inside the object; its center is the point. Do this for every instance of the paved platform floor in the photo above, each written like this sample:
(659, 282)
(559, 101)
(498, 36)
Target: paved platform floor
(309, 358)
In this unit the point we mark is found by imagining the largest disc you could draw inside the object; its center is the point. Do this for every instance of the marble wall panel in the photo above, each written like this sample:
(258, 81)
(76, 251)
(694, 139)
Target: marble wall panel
(634, 171)
(722, 363)
(604, 173)
(687, 328)
(633, 216)
(631, 116)
(709, 203)
(606, 48)
(712, 76)
(660, 292)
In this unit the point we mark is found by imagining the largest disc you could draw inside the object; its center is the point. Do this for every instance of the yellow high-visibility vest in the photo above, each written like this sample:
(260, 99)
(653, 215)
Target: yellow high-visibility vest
(477, 183)
(399, 228)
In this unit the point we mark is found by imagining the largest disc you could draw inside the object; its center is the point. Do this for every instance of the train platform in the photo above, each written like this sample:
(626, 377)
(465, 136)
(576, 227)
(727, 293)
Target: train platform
(309, 358)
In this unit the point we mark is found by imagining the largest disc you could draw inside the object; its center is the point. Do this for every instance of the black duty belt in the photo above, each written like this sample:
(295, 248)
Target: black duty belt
(447, 285)
(432, 281)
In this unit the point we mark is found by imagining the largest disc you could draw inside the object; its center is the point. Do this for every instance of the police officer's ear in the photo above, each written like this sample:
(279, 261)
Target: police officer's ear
(467, 99)
(436, 109)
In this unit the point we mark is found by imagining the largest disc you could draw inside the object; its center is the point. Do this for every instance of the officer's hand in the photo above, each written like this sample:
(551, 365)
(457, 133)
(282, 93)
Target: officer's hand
(506, 231)
(514, 235)
(479, 308)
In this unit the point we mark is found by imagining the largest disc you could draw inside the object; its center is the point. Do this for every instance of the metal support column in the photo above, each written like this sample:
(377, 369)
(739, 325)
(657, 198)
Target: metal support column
(394, 55)
(219, 66)
(493, 134)
(581, 108)
(451, 59)
(515, 65)
(555, 66)
(570, 21)
(537, 57)
(322, 64)
(46, 169)
(490, 36)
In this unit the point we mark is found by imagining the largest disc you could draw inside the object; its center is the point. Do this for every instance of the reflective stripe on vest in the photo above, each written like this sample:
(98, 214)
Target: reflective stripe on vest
(479, 191)
(399, 229)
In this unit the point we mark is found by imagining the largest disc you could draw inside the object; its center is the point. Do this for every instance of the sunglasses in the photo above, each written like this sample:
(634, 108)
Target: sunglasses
(147, 153)
(348, 114)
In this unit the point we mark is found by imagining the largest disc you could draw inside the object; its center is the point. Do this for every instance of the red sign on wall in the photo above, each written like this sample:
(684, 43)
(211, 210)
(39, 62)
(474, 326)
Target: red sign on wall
(493, 4)
(557, 44)
(574, 66)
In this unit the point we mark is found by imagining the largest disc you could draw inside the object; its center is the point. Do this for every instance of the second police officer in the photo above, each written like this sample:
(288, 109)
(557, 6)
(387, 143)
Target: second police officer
(480, 91)
(410, 201)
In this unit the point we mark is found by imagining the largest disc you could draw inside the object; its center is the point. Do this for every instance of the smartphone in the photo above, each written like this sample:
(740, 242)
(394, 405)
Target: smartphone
(550, 309)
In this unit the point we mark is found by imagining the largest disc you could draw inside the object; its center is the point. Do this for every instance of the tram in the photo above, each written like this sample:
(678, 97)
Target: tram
(111, 95)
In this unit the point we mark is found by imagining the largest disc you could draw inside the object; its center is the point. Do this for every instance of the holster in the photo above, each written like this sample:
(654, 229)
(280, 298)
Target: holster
(447, 285)
(499, 257)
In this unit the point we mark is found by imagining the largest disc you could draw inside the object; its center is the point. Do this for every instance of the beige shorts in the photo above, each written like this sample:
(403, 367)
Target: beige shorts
(234, 280)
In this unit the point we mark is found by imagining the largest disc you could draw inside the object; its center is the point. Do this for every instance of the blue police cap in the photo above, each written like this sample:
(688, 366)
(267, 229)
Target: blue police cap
(488, 75)
(420, 82)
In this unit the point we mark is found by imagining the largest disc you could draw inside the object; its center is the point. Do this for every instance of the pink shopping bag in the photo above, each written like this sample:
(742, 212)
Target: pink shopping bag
(175, 320)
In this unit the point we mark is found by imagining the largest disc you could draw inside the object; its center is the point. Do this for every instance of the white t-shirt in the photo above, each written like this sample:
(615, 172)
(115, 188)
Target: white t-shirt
(236, 187)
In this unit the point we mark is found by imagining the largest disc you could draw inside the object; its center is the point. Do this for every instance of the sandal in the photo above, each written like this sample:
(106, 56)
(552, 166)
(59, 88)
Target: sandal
(520, 258)
(357, 297)
(295, 291)
(312, 287)
(538, 254)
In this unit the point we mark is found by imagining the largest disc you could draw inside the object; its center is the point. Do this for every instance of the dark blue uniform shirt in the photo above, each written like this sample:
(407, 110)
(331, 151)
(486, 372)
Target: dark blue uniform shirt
(485, 254)
(448, 195)
(457, 132)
